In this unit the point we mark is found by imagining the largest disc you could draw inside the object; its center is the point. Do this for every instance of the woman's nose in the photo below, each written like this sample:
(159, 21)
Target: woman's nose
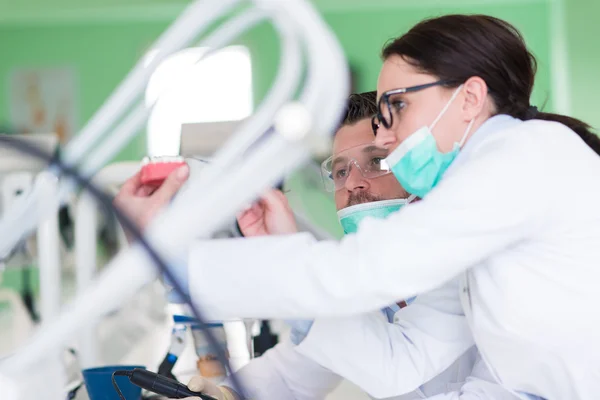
(385, 137)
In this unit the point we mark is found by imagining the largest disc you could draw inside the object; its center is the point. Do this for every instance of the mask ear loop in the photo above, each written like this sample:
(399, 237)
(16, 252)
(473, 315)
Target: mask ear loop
(411, 198)
(464, 138)
(441, 114)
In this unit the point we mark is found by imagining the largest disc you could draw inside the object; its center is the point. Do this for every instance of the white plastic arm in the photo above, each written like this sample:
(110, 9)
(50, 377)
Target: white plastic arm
(171, 233)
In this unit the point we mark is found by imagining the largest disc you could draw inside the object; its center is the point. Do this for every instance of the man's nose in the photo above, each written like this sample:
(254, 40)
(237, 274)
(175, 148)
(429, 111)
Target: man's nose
(385, 137)
(355, 180)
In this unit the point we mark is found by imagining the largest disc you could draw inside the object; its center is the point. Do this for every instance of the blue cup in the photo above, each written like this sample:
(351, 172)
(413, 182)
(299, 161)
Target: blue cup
(98, 382)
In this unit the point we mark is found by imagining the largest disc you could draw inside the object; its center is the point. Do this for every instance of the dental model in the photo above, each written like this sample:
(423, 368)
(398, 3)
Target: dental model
(156, 169)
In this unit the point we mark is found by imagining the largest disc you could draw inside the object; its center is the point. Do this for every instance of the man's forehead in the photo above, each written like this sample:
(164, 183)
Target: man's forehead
(353, 135)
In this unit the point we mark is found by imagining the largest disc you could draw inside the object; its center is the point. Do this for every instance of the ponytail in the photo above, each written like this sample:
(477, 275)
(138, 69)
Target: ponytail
(583, 130)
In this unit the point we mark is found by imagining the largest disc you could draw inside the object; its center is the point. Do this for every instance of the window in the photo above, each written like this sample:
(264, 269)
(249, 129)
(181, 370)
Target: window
(218, 88)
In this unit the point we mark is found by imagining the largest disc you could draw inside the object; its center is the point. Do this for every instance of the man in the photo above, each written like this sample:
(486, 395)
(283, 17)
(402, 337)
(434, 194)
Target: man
(397, 352)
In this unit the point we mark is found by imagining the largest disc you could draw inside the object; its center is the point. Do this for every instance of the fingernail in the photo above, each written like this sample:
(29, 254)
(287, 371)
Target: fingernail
(182, 172)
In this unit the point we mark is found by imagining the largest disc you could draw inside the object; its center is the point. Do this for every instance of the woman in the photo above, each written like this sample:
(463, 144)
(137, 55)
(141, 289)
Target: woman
(511, 204)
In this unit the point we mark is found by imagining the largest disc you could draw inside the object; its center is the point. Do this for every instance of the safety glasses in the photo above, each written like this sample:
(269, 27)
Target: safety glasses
(367, 159)
(385, 106)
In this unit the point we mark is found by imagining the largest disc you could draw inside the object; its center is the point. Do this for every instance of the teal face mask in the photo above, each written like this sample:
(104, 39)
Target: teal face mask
(351, 217)
(417, 163)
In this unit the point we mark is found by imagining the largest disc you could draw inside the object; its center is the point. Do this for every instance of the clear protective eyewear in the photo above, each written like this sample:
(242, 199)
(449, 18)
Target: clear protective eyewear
(368, 159)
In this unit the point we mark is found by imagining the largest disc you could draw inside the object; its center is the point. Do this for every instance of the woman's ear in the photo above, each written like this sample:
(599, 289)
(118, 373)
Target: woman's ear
(476, 92)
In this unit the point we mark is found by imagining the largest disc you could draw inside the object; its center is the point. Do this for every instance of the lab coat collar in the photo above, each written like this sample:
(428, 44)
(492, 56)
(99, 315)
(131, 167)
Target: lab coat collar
(497, 123)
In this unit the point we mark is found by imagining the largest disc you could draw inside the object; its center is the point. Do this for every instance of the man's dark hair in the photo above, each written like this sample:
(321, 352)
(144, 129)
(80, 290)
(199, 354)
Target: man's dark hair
(360, 106)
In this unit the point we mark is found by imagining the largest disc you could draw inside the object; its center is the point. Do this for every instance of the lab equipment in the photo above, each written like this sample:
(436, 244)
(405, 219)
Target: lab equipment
(98, 382)
(368, 159)
(137, 318)
(205, 138)
(208, 364)
(155, 383)
(301, 125)
(18, 175)
(176, 347)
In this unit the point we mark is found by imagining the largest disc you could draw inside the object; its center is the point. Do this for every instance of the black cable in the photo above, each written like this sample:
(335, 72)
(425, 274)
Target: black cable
(106, 201)
(114, 382)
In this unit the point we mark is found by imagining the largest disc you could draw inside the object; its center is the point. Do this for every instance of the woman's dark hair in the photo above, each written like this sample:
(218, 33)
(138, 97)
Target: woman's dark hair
(457, 47)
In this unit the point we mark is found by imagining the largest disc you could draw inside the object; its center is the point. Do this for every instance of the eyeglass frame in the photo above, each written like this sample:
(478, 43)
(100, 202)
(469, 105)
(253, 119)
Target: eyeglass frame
(385, 97)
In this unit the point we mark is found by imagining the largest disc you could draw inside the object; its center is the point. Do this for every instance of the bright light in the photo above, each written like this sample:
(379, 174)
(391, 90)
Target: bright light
(218, 88)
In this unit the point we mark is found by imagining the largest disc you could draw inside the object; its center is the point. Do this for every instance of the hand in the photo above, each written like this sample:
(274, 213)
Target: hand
(271, 215)
(204, 386)
(142, 202)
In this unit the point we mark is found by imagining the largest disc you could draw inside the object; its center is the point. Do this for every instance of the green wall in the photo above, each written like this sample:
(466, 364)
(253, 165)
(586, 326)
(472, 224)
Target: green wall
(362, 34)
(100, 54)
(584, 55)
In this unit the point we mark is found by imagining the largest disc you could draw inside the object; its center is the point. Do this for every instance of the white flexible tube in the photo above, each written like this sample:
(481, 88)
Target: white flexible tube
(170, 233)
(237, 343)
(111, 289)
(285, 84)
(48, 240)
(21, 220)
(195, 19)
(173, 231)
(86, 221)
(135, 121)
(119, 138)
(324, 48)
(223, 36)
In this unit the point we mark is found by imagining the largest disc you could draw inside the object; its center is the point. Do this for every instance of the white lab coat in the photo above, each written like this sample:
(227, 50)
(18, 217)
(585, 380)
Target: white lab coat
(408, 357)
(283, 373)
(518, 216)
(427, 340)
(400, 360)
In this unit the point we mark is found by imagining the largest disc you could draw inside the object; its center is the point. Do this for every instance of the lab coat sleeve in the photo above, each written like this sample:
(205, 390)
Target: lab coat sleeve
(493, 201)
(479, 386)
(391, 359)
(283, 373)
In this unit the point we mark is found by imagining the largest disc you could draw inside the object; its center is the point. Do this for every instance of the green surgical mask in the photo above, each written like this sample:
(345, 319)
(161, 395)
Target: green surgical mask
(417, 163)
(351, 217)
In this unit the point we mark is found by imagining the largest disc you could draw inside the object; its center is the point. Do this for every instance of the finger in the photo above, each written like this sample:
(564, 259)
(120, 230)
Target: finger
(255, 209)
(276, 201)
(132, 184)
(283, 198)
(249, 219)
(197, 384)
(203, 385)
(171, 185)
(145, 191)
